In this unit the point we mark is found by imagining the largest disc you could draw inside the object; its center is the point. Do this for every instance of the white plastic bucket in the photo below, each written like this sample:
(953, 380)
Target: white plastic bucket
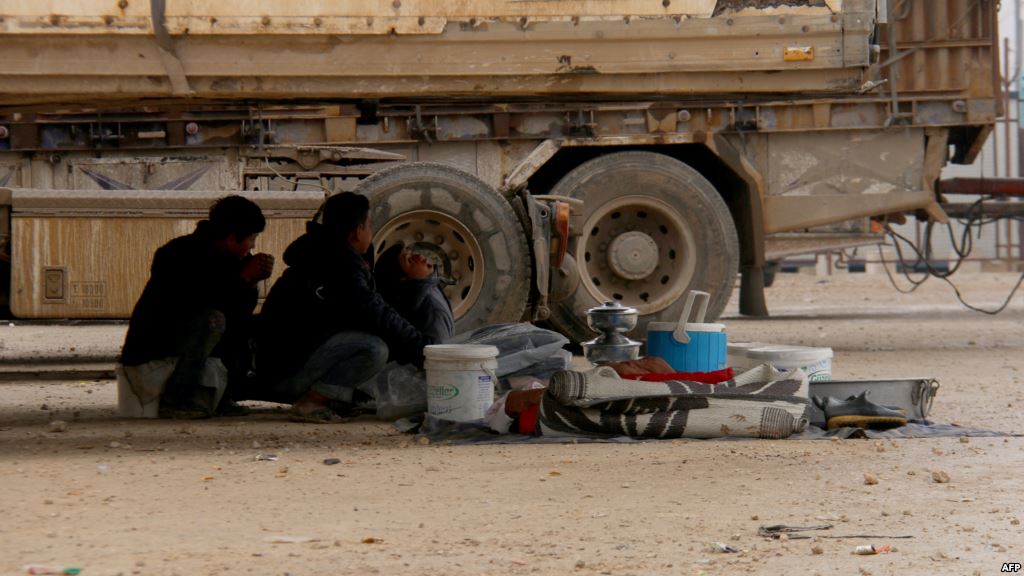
(460, 380)
(815, 362)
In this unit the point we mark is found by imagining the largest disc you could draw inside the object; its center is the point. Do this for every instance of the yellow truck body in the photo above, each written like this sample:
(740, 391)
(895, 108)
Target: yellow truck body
(703, 137)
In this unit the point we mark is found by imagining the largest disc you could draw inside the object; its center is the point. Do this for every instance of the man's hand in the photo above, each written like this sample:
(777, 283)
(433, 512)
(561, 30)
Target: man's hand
(417, 266)
(257, 267)
(518, 401)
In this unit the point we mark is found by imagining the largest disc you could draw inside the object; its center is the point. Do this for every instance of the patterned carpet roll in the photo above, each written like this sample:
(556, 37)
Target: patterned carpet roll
(599, 403)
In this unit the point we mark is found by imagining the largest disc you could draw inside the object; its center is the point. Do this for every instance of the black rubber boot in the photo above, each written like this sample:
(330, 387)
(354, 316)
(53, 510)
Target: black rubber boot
(859, 412)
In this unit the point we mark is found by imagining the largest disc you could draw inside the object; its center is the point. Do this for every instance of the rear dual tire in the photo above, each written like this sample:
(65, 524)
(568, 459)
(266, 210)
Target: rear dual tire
(654, 228)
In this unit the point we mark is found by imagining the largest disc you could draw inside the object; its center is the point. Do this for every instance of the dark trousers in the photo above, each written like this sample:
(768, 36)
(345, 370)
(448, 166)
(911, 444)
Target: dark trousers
(195, 341)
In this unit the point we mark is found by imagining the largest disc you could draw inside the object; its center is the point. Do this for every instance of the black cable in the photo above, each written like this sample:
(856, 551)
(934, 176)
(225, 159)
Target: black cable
(982, 310)
(963, 250)
(892, 280)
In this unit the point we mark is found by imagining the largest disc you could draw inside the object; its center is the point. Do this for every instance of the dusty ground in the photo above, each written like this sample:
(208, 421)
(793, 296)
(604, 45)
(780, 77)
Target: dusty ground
(161, 497)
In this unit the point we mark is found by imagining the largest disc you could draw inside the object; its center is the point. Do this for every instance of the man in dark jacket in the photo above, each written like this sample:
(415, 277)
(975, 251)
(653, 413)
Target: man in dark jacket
(198, 304)
(324, 329)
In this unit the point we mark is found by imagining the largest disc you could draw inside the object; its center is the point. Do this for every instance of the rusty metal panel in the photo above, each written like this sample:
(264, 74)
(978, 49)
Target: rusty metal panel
(846, 163)
(200, 17)
(494, 48)
(858, 24)
(153, 173)
(942, 46)
(501, 49)
(103, 245)
(820, 178)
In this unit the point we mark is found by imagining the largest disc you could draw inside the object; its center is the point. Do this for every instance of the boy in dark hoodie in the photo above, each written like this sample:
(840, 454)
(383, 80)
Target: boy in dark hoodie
(197, 304)
(408, 281)
(324, 329)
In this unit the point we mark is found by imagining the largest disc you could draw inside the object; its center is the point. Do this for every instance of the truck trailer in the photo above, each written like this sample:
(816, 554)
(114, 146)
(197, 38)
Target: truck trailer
(553, 155)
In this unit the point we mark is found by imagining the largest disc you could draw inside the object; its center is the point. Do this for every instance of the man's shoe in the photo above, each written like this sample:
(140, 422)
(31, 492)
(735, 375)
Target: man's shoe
(318, 416)
(228, 407)
(859, 412)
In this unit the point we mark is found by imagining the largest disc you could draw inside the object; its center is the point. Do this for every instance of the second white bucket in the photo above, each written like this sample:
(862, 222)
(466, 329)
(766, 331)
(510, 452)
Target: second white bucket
(460, 380)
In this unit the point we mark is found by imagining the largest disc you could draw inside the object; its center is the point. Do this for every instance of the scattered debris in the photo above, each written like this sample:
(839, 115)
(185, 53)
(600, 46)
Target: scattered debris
(777, 530)
(940, 477)
(580, 564)
(870, 549)
(870, 479)
(722, 548)
(783, 532)
(817, 550)
(40, 569)
(57, 426)
(266, 457)
(331, 461)
(282, 539)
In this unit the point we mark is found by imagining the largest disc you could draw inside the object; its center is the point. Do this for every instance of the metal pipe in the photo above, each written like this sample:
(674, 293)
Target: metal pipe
(1007, 83)
(989, 210)
(1019, 30)
(894, 76)
(983, 186)
(1009, 144)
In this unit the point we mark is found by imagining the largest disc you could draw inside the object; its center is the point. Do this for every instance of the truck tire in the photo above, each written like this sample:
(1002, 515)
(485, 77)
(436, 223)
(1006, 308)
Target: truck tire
(469, 226)
(653, 229)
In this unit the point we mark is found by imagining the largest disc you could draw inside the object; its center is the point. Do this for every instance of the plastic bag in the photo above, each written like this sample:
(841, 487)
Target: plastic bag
(399, 391)
(519, 345)
(560, 360)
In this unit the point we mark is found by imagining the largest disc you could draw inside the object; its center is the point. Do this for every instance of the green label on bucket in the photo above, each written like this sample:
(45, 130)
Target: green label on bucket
(442, 392)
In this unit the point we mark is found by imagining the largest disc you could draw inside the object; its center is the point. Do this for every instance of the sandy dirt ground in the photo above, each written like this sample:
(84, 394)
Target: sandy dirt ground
(114, 496)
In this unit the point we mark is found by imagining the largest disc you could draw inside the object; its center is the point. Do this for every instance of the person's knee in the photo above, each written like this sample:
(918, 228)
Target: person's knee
(215, 322)
(377, 351)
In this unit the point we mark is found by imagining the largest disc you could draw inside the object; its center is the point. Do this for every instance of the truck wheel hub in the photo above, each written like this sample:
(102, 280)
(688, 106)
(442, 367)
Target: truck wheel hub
(633, 255)
(636, 249)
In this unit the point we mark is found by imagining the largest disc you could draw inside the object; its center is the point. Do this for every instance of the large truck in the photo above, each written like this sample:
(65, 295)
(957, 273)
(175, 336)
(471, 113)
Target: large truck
(553, 154)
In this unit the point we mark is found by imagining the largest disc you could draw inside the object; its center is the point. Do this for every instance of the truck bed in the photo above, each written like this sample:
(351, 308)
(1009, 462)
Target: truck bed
(102, 51)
